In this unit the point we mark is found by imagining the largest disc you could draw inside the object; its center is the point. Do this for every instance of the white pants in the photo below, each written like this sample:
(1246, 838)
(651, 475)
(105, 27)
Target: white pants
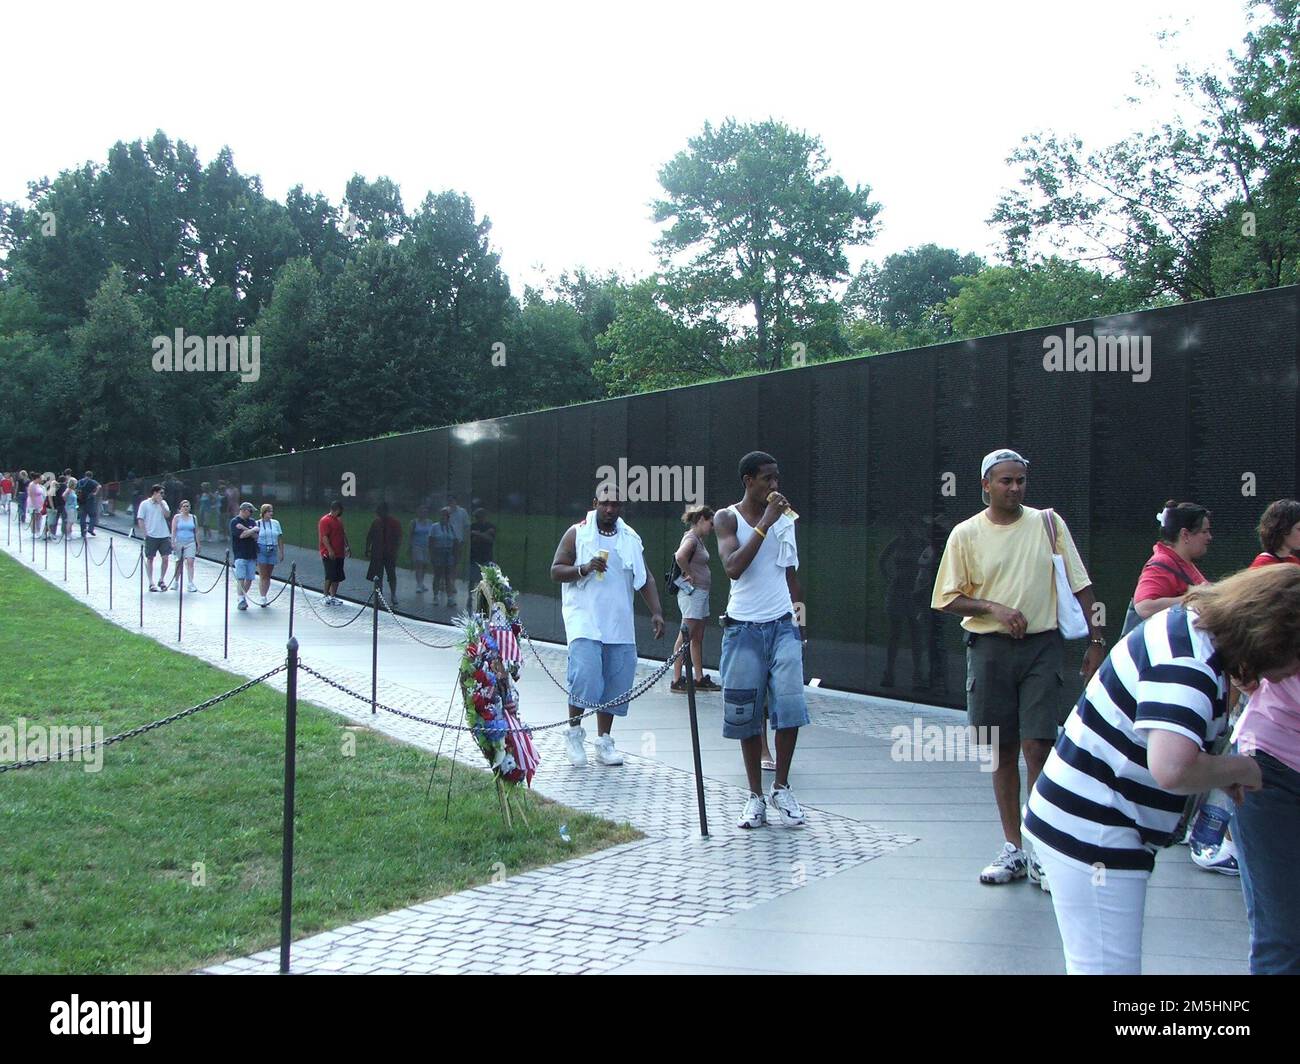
(1099, 916)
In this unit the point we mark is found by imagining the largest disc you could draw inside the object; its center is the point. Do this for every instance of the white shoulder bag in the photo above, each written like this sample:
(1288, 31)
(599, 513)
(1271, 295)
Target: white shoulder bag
(1069, 614)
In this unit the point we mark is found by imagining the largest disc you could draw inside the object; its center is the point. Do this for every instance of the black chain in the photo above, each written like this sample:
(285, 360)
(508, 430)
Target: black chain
(423, 642)
(127, 576)
(635, 692)
(330, 624)
(217, 700)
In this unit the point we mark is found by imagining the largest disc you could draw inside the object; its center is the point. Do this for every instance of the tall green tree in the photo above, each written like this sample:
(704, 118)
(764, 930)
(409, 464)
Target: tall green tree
(119, 421)
(1008, 298)
(1189, 210)
(756, 221)
(907, 293)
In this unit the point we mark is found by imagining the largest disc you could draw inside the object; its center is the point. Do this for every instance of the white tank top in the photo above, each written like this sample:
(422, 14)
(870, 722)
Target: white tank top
(601, 609)
(760, 593)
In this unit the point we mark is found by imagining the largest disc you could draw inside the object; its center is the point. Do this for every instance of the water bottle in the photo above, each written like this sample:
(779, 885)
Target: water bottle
(1211, 823)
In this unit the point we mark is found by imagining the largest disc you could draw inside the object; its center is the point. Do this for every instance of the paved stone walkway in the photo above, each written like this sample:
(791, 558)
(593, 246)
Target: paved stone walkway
(883, 878)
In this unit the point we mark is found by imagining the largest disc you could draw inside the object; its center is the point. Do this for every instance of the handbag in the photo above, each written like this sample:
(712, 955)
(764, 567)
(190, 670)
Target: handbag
(1069, 614)
(1131, 618)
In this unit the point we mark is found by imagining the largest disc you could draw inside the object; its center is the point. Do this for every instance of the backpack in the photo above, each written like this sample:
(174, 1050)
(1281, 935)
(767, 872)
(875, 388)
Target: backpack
(1131, 618)
(671, 578)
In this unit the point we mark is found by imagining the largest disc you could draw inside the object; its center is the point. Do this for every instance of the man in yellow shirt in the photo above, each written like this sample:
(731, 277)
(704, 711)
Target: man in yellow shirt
(997, 575)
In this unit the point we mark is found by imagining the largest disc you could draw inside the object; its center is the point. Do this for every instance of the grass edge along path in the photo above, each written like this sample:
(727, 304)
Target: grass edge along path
(167, 858)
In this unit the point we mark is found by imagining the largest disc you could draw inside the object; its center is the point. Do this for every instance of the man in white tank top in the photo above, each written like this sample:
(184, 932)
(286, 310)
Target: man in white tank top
(599, 563)
(762, 650)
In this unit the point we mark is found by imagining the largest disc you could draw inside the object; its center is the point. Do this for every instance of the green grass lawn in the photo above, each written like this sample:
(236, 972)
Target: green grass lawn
(98, 869)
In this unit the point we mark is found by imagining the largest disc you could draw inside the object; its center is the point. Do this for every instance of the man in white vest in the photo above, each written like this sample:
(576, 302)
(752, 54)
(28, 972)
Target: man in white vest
(600, 561)
(762, 647)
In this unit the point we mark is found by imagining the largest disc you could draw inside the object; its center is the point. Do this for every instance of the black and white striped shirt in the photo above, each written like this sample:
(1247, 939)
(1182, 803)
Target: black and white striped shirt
(1096, 802)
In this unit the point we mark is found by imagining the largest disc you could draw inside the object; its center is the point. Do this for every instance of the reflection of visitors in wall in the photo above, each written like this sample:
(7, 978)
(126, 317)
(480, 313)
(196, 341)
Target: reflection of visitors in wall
(932, 622)
(482, 539)
(382, 543)
(897, 566)
(443, 551)
(420, 529)
(460, 526)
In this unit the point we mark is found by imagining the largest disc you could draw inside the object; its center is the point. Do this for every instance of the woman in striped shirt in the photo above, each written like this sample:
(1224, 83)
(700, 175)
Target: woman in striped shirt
(1113, 789)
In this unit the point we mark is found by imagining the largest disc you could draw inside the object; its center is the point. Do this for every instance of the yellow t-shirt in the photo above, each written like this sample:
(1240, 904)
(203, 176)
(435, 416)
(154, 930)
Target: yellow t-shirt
(1007, 564)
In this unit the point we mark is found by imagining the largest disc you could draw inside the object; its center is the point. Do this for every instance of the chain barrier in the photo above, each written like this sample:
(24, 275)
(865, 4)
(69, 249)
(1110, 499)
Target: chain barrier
(423, 642)
(122, 736)
(283, 586)
(221, 572)
(134, 568)
(326, 621)
(636, 691)
(101, 560)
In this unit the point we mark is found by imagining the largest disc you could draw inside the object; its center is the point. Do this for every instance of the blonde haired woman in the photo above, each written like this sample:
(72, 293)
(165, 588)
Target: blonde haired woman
(1137, 743)
(185, 543)
(270, 548)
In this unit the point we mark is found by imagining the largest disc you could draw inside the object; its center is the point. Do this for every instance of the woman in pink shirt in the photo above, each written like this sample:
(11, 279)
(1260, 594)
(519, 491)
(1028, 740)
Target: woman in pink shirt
(36, 504)
(1266, 827)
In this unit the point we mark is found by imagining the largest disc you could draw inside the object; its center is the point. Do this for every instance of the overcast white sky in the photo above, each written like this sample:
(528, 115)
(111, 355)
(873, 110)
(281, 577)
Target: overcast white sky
(556, 117)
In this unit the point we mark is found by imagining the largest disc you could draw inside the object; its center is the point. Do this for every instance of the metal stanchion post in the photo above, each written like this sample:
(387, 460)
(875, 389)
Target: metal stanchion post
(85, 554)
(374, 651)
(290, 751)
(110, 575)
(293, 587)
(225, 638)
(689, 671)
(47, 551)
(180, 595)
(65, 559)
(141, 585)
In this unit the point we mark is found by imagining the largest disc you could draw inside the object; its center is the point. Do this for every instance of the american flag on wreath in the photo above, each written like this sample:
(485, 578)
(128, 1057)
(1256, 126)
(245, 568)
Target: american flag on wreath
(507, 644)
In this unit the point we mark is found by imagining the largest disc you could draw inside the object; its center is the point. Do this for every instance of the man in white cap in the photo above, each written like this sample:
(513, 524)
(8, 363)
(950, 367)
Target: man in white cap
(997, 575)
(600, 561)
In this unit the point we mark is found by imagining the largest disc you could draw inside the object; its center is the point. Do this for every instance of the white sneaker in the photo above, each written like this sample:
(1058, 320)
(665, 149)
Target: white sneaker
(1037, 874)
(1011, 863)
(787, 807)
(573, 743)
(755, 814)
(605, 752)
(191, 587)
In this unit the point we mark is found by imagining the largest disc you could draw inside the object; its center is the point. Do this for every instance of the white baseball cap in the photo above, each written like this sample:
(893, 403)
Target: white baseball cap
(993, 458)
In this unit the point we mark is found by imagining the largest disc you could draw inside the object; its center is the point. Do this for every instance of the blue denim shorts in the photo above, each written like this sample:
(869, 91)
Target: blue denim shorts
(761, 661)
(267, 555)
(601, 671)
(245, 569)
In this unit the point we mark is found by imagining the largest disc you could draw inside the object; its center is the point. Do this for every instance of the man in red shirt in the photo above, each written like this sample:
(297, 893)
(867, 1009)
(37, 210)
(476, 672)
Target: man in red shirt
(382, 542)
(333, 549)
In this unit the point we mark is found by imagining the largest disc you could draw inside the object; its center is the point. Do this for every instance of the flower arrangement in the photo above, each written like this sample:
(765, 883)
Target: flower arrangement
(489, 665)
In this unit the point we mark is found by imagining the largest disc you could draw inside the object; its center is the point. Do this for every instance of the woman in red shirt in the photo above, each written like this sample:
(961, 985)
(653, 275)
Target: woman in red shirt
(1184, 538)
(1279, 534)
